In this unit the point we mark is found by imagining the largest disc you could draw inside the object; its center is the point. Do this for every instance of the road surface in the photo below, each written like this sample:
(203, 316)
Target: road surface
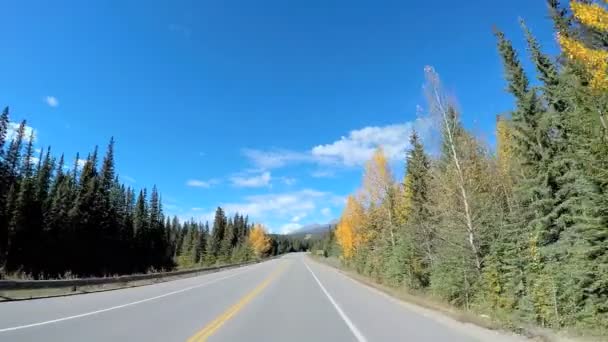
(292, 298)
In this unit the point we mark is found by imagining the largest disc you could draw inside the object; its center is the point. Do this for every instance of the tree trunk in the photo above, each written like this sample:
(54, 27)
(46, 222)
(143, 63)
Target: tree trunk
(461, 184)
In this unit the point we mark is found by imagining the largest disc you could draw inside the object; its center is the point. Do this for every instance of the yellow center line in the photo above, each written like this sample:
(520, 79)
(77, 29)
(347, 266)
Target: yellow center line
(217, 323)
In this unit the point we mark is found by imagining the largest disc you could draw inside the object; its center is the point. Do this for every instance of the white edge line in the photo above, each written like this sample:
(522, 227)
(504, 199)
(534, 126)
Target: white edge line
(122, 305)
(349, 323)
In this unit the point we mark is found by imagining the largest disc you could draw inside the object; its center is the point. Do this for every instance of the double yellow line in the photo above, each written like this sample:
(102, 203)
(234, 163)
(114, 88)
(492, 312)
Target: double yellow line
(217, 323)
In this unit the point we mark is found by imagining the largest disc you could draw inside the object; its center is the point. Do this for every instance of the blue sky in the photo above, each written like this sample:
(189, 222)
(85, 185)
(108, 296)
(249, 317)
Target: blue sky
(265, 107)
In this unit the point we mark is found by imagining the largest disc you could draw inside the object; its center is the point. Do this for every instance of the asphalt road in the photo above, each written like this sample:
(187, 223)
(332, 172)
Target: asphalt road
(288, 299)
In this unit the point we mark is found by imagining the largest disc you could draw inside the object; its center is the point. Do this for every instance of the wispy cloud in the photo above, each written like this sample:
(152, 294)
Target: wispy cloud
(323, 174)
(197, 183)
(354, 149)
(51, 101)
(275, 209)
(289, 228)
(256, 181)
(298, 217)
(288, 180)
(128, 178)
(275, 158)
(284, 205)
(326, 211)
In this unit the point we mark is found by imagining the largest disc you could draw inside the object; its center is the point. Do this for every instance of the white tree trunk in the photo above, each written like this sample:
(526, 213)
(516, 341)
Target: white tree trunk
(461, 181)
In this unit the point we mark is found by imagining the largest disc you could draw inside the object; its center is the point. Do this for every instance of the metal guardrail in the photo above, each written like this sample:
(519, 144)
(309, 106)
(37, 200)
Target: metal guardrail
(75, 283)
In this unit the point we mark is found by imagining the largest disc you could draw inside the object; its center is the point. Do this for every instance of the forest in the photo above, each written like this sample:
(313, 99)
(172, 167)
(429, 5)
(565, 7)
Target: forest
(519, 231)
(58, 221)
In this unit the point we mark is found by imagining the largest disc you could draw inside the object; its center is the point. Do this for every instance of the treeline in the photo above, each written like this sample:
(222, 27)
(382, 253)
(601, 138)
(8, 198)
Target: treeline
(327, 245)
(520, 233)
(282, 244)
(228, 240)
(57, 221)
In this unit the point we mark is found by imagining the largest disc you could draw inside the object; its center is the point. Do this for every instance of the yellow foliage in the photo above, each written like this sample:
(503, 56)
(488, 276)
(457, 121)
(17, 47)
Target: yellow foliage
(377, 178)
(592, 15)
(504, 152)
(594, 61)
(404, 201)
(260, 242)
(348, 231)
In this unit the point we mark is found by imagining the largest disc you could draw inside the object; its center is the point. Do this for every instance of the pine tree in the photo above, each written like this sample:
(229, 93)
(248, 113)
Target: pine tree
(531, 222)
(217, 235)
(4, 187)
(418, 237)
(24, 231)
(186, 256)
(228, 241)
(140, 231)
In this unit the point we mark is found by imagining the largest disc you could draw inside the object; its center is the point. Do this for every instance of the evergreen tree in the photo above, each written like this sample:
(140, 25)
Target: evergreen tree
(4, 187)
(419, 236)
(228, 242)
(24, 231)
(217, 235)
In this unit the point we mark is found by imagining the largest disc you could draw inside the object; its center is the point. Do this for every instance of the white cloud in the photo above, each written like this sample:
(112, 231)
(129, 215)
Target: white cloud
(351, 150)
(323, 174)
(289, 228)
(288, 180)
(275, 158)
(326, 211)
(281, 212)
(13, 127)
(34, 160)
(299, 217)
(80, 163)
(359, 145)
(260, 180)
(51, 101)
(283, 205)
(197, 183)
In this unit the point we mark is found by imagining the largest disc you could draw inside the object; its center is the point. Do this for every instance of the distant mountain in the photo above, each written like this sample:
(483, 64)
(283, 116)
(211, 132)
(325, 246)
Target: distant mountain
(314, 229)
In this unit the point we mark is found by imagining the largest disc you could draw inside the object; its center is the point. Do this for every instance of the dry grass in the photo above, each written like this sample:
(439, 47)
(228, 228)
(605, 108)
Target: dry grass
(428, 302)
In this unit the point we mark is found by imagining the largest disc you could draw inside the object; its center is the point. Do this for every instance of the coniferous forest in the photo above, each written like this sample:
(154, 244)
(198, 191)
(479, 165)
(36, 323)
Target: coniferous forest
(59, 220)
(519, 232)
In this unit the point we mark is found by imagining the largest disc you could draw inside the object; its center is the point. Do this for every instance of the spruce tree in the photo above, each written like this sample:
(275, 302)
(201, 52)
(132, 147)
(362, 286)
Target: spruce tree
(419, 226)
(228, 241)
(24, 233)
(4, 187)
(217, 236)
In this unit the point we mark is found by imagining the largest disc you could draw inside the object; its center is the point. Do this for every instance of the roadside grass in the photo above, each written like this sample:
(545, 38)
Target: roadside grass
(491, 322)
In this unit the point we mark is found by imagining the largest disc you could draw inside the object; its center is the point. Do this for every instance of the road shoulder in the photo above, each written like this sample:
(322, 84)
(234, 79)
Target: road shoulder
(470, 329)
